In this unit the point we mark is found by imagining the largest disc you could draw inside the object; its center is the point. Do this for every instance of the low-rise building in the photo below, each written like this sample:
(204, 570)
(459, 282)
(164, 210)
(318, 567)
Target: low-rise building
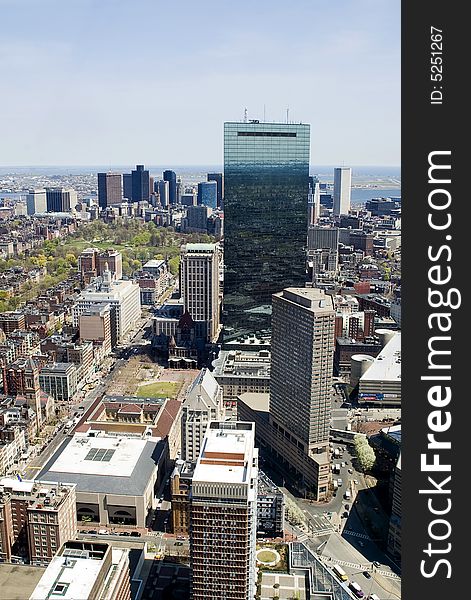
(86, 571)
(36, 518)
(116, 476)
(60, 380)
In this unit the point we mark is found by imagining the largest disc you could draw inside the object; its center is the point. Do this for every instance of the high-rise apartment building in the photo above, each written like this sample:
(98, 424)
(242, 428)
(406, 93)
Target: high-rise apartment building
(223, 517)
(208, 194)
(199, 281)
(302, 352)
(140, 184)
(110, 189)
(219, 179)
(266, 180)
(171, 177)
(203, 403)
(342, 190)
(60, 200)
(36, 202)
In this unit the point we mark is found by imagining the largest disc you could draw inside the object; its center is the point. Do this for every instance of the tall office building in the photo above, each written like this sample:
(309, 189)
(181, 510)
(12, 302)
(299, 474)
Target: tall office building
(208, 194)
(60, 199)
(302, 352)
(266, 179)
(140, 184)
(219, 179)
(314, 200)
(36, 202)
(223, 521)
(342, 190)
(171, 177)
(161, 187)
(127, 186)
(110, 189)
(199, 284)
(203, 403)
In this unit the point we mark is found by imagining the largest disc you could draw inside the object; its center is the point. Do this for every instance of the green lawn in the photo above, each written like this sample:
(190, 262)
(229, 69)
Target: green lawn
(160, 389)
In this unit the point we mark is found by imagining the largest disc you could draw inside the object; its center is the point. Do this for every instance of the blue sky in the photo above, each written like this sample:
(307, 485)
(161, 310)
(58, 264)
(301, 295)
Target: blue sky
(87, 82)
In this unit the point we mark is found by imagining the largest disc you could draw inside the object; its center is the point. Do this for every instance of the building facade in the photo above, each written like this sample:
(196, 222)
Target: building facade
(110, 189)
(266, 181)
(223, 518)
(342, 190)
(199, 280)
(203, 403)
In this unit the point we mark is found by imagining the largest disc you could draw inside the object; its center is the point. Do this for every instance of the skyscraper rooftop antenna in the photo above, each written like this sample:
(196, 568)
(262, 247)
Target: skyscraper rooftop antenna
(264, 113)
(287, 114)
(245, 115)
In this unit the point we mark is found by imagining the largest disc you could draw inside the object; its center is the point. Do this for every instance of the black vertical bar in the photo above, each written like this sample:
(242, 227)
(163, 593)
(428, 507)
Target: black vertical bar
(434, 120)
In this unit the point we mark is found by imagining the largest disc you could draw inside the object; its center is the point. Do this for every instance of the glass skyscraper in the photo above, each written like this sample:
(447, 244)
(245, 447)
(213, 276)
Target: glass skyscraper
(266, 177)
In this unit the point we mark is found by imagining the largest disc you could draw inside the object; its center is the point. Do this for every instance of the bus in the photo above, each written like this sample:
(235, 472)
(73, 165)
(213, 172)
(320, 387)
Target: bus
(356, 589)
(337, 569)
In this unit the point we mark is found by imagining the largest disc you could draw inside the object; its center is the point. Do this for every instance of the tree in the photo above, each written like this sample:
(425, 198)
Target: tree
(365, 453)
(174, 264)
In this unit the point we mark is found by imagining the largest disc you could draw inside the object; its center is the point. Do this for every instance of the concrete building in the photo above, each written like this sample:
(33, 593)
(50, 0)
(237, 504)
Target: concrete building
(110, 189)
(95, 326)
(240, 371)
(342, 190)
(199, 281)
(36, 518)
(116, 476)
(224, 514)
(203, 403)
(196, 220)
(323, 237)
(301, 377)
(381, 382)
(36, 202)
(60, 200)
(60, 380)
(113, 261)
(86, 571)
(123, 298)
(161, 187)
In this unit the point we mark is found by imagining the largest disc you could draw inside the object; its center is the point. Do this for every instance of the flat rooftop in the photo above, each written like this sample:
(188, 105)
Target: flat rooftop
(104, 464)
(76, 572)
(225, 456)
(387, 365)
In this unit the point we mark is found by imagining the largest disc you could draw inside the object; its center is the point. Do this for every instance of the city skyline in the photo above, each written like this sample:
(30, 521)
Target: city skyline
(329, 70)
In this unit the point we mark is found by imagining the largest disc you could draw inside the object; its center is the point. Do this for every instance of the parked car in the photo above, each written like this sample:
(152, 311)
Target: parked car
(135, 534)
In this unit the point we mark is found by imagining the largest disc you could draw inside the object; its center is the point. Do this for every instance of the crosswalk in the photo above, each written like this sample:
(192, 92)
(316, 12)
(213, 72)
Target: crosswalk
(359, 567)
(363, 536)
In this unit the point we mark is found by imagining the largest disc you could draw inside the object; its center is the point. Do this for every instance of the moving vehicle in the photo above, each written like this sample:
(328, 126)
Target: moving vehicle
(367, 574)
(356, 589)
(340, 573)
(373, 597)
(347, 495)
(340, 482)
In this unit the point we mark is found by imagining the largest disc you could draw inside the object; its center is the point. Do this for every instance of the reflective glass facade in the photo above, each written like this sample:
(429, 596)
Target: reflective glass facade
(266, 178)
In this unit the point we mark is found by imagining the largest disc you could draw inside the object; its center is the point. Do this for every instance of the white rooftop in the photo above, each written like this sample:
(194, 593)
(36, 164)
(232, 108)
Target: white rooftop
(101, 455)
(77, 578)
(387, 365)
(226, 445)
(16, 485)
